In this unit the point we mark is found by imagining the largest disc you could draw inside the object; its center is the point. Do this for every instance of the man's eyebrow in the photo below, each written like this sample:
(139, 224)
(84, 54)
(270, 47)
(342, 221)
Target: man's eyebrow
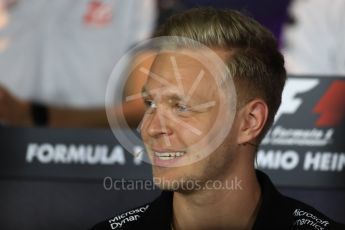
(141, 95)
(173, 96)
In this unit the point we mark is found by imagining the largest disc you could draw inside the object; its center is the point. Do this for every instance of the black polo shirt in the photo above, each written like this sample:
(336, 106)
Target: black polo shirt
(276, 212)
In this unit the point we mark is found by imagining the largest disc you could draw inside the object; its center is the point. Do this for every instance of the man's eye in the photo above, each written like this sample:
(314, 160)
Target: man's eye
(149, 103)
(182, 108)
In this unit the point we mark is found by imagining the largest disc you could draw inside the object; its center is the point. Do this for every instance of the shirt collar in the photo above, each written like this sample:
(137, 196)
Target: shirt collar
(270, 214)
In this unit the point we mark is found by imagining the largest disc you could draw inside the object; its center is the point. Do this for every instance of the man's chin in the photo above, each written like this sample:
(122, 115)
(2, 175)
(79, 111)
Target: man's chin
(165, 179)
(176, 183)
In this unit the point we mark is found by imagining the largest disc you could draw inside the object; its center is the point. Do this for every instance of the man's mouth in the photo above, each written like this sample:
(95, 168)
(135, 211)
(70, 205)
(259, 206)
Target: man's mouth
(165, 156)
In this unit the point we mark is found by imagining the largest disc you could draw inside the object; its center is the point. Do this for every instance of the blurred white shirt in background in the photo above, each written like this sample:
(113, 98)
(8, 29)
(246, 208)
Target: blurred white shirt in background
(315, 43)
(62, 52)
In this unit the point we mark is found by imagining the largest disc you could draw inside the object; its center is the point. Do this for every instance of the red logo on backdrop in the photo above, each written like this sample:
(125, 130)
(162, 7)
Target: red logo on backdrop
(98, 14)
(331, 106)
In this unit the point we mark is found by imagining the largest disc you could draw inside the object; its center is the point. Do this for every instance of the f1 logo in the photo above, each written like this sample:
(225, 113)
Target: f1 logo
(331, 106)
(293, 87)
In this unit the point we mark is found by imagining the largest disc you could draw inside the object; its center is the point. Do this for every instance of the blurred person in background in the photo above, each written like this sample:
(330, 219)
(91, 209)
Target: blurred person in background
(54, 99)
(56, 57)
(313, 41)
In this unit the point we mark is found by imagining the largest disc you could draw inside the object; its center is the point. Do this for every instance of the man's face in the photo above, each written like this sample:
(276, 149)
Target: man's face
(185, 111)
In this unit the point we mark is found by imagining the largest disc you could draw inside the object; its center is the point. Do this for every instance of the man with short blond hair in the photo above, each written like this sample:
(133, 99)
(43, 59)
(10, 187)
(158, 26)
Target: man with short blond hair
(211, 95)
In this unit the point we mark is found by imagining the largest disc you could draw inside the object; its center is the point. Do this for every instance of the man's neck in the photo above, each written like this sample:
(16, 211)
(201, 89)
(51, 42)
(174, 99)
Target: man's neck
(234, 207)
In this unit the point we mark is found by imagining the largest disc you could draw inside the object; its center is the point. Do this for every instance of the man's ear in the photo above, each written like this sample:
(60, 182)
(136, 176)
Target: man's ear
(252, 119)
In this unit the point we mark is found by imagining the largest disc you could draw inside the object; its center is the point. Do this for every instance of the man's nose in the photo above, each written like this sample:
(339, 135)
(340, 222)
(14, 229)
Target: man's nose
(158, 124)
